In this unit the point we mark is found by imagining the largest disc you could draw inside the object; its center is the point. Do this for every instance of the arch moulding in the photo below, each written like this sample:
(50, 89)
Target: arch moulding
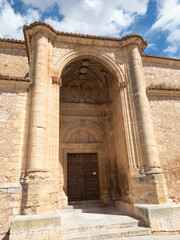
(71, 127)
(73, 55)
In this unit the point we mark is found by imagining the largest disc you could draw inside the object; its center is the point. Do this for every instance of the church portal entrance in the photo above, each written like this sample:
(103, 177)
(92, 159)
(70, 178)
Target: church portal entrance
(89, 121)
(82, 177)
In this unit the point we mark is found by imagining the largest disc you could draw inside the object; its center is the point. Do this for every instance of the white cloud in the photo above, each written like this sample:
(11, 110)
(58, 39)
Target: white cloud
(168, 19)
(171, 49)
(11, 23)
(152, 46)
(100, 17)
(137, 6)
(41, 4)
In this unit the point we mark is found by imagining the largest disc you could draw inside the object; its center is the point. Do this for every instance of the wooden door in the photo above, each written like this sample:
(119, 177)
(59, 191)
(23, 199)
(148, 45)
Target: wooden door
(82, 176)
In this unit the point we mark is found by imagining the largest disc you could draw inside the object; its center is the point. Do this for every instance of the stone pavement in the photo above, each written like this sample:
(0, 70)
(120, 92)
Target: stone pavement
(152, 237)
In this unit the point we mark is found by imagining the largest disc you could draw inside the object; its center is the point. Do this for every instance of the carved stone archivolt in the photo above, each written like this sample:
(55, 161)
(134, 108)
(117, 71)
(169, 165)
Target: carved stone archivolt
(86, 81)
(82, 135)
(76, 132)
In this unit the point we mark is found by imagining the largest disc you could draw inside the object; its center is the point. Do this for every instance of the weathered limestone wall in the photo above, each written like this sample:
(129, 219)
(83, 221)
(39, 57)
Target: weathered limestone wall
(13, 59)
(165, 112)
(166, 118)
(12, 129)
(161, 71)
(10, 205)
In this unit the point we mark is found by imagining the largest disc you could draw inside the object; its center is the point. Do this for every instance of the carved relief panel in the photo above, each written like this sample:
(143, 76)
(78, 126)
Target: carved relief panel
(81, 92)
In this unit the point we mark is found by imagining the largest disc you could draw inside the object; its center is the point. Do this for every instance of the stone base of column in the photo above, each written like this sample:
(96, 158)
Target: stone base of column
(39, 192)
(36, 227)
(152, 170)
(148, 189)
(63, 199)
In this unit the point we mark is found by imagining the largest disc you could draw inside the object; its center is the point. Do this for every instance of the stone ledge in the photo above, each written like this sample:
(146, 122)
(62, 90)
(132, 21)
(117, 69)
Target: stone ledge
(14, 78)
(34, 226)
(163, 90)
(10, 188)
(36, 222)
(160, 92)
(7, 85)
(10, 185)
(159, 217)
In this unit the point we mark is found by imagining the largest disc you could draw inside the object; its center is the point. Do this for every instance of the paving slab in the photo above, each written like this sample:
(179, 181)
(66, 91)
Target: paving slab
(151, 237)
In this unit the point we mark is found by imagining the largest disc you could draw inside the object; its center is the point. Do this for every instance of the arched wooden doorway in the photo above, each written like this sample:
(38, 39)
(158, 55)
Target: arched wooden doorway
(87, 102)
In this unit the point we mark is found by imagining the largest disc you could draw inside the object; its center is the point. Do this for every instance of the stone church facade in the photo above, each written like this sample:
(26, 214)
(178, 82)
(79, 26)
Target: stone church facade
(85, 117)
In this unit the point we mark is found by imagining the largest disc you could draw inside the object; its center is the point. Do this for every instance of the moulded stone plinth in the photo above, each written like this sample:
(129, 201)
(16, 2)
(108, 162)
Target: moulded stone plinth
(40, 193)
(36, 227)
(160, 217)
(149, 189)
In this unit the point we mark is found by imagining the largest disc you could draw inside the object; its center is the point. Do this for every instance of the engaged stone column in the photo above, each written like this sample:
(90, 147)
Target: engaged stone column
(39, 193)
(38, 118)
(147, 142)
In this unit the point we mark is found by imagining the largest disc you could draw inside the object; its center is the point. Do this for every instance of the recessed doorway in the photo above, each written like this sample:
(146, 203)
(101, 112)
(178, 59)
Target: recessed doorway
(82, 176)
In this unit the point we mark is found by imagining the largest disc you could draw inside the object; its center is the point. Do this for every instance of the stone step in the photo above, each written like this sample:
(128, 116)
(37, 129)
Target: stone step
(84, 202)
(100, 226)
(90, 209)
(103, 210)
(98, 221)
(107, 234)
(71, 211)
(89, 204)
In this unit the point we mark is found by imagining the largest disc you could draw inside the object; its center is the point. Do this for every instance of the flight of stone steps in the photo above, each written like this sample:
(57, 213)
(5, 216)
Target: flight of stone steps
(94, 220)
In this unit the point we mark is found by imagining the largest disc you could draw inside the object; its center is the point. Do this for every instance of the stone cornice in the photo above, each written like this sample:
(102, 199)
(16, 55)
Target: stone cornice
(32, 25)
(13, 82)
(101, 41)
(163, 90)
(160, 57)
(12, 41)
(161, 60)
(163, 87)
(14, 78)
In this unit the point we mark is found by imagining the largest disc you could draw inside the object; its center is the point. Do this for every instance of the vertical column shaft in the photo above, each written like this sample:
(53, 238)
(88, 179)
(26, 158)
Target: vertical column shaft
(147, 141)
(37, 141)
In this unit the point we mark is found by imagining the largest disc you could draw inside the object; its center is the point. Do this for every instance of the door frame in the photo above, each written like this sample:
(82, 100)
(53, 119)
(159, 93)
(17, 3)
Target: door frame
(103, 169)
(92, 159)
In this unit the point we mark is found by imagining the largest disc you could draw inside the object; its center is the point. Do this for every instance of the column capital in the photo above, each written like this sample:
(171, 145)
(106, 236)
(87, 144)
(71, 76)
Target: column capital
(123, 84)
(56, 80)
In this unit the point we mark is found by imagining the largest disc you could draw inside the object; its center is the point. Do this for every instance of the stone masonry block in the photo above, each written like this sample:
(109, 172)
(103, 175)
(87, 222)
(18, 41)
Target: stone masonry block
(37, 227)
(160, 217)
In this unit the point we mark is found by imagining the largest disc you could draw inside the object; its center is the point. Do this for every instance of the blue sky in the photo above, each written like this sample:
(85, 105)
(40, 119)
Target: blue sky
(158, 21)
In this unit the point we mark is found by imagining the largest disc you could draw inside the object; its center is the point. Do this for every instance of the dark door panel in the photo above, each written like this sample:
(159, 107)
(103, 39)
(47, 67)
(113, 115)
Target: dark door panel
(82, 177)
